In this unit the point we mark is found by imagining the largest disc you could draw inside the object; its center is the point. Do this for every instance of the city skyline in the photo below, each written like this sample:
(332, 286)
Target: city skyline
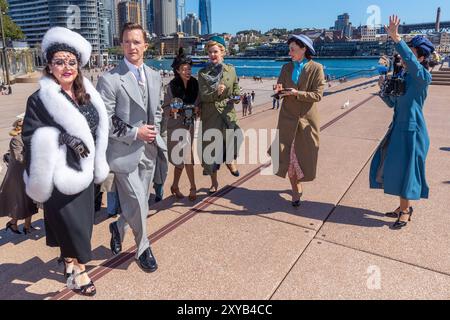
(264, 15)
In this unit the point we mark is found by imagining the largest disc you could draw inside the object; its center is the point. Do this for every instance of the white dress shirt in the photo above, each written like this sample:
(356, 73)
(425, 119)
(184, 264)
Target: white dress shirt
(138, 72)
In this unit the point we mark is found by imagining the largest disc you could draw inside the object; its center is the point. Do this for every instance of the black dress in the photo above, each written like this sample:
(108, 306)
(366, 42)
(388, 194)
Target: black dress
(69, 219)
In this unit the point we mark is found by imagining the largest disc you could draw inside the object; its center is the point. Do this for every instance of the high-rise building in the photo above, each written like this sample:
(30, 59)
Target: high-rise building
(32, 17)
(181, 14)
(204, 12)
(150, 17)
(192, 25)
(129, 11)
(343, 24)
(165, 20)
(143, 4)
(79, 15)
(110, 16)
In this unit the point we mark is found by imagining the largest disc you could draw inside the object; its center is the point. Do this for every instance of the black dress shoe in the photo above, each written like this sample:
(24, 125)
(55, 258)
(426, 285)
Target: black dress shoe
(116, 243)
(147, 261)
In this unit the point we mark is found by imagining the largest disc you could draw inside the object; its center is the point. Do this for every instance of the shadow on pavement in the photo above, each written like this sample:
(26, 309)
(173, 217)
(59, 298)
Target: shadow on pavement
(251, 201)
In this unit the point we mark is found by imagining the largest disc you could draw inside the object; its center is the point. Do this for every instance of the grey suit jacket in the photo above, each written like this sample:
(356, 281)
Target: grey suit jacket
(121, 94)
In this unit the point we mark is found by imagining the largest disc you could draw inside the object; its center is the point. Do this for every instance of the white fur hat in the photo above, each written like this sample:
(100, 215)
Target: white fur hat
(63, 39)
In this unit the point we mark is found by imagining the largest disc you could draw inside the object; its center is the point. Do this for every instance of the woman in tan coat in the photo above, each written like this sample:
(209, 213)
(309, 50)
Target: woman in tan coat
(301, 84)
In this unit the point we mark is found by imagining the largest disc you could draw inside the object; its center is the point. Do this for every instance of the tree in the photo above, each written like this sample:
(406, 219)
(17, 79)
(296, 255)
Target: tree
(12, 30)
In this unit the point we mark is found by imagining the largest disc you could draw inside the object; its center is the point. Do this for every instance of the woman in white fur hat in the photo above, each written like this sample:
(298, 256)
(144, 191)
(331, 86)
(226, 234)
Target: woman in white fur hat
(66, 136)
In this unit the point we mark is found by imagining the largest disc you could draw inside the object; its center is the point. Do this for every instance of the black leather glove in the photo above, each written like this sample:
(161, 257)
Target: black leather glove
(78, 146)
(120, 127)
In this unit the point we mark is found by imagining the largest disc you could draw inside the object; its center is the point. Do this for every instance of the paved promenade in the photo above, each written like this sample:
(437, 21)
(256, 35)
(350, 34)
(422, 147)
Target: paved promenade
(247, 242)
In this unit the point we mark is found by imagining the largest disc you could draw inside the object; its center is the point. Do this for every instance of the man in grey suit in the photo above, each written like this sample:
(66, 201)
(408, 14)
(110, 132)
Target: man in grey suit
(132, 94)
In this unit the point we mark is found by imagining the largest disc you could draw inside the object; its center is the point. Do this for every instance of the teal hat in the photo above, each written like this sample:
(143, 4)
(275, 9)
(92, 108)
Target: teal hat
(218, 40)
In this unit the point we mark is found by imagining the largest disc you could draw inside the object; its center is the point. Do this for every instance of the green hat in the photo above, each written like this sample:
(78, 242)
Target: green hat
(219, 40)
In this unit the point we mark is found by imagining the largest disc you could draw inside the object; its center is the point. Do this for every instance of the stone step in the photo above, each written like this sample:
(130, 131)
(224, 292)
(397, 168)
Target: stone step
(441, 78)
(441, 73)
(440, 83)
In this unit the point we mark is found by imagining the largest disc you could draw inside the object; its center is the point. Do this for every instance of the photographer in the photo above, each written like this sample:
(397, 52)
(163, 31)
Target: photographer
(184, 87)
(399, 163)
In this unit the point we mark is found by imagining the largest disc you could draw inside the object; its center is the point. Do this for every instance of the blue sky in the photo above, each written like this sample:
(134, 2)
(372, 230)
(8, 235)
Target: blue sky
(235, 15)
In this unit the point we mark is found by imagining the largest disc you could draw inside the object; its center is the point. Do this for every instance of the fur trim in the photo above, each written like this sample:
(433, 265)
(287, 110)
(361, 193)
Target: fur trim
(101, 164)
(73, 39)
(67, 180)
(39, 185)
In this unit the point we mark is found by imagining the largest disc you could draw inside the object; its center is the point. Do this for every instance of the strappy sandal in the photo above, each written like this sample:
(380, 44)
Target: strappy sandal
(394, 214)
(193, 194)
(67, 272)
(176, 193)
(88, 290)
(13, 227)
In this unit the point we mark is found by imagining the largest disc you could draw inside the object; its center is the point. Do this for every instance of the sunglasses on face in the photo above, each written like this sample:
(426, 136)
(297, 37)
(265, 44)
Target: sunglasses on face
(61, 62)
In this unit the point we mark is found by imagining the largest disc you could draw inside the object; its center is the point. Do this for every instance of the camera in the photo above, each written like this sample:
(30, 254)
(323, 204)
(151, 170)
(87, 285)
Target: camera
(187, 112)
(188, 115)
(394, 87)
(234, 99)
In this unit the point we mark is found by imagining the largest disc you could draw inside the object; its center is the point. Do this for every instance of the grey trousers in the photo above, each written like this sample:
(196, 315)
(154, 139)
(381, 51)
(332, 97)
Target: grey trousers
(133, 190)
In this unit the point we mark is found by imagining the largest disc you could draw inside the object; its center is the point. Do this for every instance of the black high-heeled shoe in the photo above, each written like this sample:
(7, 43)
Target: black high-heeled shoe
(297, 204)
(10, 225)
(67, 274)
(398, 225)
(394, 214)
(28, 230)
(88, 290)
(233, 170)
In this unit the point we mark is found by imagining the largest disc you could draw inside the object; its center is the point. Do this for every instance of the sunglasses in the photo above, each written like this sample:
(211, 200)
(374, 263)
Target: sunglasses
(61, 62)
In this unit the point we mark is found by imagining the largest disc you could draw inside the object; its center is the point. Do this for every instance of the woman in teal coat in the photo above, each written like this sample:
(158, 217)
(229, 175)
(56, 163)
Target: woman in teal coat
(399, 164)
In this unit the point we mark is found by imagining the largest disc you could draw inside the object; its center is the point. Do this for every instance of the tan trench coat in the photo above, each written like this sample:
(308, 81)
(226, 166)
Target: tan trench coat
(299, 120)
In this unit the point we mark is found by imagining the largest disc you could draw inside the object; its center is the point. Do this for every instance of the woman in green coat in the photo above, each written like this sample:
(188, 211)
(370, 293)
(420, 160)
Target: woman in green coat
(219, 91)
(301, 84)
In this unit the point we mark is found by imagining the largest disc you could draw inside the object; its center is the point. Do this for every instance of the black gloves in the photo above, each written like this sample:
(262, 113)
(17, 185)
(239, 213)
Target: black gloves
(120, 127)
(78, 146)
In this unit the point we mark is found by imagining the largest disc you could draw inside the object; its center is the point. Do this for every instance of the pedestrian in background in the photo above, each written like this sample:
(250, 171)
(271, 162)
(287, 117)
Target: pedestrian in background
(14, 202)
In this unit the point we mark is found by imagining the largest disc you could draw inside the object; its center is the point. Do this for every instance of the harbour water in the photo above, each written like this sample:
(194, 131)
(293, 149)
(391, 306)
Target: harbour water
(350, 68)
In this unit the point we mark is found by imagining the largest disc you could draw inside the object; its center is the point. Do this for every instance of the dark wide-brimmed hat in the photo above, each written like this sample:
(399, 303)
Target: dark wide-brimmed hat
(306, 41)
(180, 59)
(62, 39)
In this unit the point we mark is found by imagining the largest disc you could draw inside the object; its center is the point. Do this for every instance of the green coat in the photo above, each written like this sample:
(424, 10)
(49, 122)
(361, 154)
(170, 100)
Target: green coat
(217, 112)
(299, 120)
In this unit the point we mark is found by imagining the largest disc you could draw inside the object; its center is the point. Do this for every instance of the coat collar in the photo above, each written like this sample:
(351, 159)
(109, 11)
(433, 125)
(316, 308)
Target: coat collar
(74, 123)
(303, 76)
(130, 85)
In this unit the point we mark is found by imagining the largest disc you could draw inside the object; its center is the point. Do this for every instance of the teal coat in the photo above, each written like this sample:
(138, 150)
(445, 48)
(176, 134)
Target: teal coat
(407, 140)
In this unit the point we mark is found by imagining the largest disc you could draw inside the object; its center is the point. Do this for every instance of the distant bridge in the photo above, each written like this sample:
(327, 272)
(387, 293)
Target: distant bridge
(424, 27)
